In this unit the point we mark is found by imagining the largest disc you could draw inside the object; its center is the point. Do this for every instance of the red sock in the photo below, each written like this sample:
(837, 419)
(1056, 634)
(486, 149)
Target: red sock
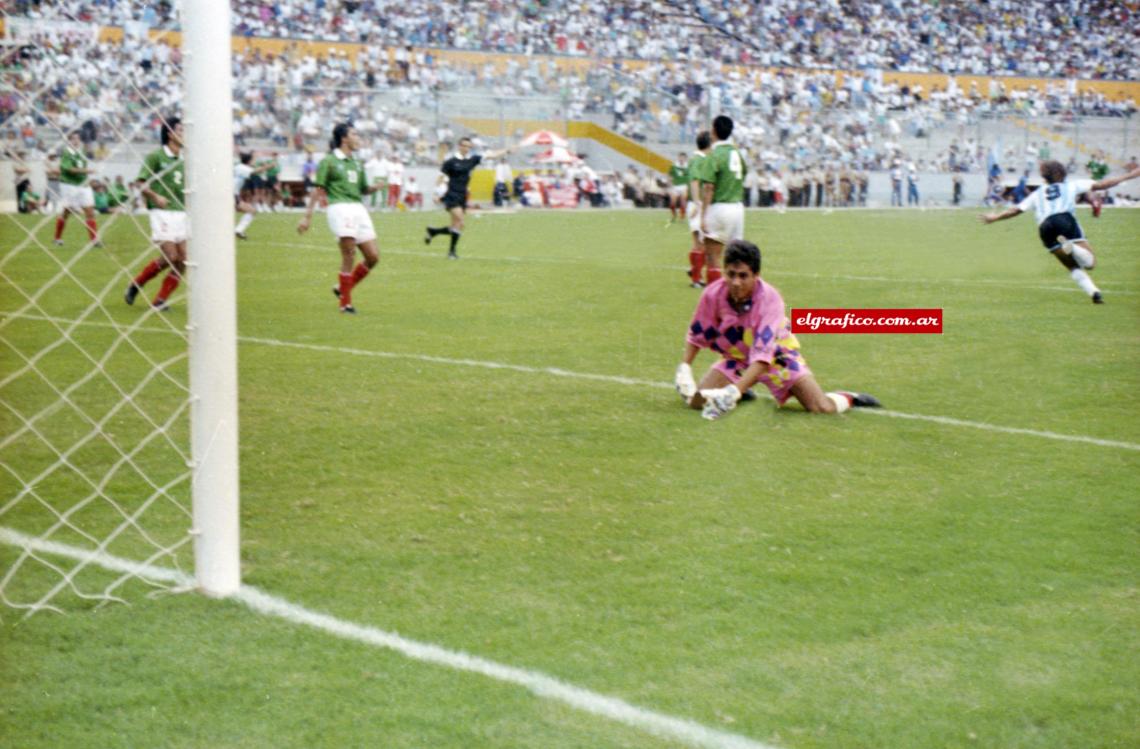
(149, 272)
(358, 273)
(91, 229)
(169, 284)
(345, 289)
(59, 222)
(712, 274)
(696, 264)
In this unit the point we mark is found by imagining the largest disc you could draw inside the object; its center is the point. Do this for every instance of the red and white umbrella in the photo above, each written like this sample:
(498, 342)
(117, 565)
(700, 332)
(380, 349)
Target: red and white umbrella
(557, 155)
(545, 138)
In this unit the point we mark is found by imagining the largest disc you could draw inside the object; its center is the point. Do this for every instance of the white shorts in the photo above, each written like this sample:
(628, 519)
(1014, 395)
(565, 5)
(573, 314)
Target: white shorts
(169, 226)
(351, 220)
(693, 211)
(679, 191)
(76, 196)
(725, 222)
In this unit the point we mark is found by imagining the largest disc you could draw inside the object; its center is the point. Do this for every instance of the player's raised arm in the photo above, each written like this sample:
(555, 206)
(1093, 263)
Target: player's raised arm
(1108, 182)
(1007, 213)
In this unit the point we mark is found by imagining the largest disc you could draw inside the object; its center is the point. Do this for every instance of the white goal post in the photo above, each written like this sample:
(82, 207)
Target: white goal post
(208, 128)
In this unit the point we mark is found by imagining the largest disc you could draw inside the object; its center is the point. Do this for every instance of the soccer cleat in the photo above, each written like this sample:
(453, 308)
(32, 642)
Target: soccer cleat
(336, 291)
(160, 305)
(1097, 298)
(861, 400)
(748, 395)
(427, 236)
(348, 309)
(132, 292)
(452, 255)
(58, 243)
(697, 284)
(240, 235)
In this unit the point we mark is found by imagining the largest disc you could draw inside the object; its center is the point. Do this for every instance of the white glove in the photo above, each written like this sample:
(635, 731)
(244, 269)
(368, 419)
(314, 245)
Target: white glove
(684, 381)
(720, 401)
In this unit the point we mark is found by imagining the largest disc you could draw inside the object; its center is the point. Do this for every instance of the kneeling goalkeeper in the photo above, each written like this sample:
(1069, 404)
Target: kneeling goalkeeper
(742, 318)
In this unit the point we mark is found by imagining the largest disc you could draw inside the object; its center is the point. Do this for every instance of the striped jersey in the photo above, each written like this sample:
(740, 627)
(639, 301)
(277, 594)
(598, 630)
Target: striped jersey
(1059, 197)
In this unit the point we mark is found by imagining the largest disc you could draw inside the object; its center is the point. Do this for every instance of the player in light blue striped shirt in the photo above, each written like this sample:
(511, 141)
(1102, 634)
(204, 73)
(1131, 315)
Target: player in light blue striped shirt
(1055, 204)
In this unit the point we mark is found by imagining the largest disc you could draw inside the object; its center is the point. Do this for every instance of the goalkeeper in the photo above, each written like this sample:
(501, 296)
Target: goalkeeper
(742, 318)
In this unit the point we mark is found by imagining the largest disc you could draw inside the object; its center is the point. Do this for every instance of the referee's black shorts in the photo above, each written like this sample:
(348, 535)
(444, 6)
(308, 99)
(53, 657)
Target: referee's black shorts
(451, 200)
(1059, 225)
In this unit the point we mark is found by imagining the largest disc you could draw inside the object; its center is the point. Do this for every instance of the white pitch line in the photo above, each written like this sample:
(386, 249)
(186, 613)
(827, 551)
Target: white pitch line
(620, 380)
(664, 726)
(578, 260)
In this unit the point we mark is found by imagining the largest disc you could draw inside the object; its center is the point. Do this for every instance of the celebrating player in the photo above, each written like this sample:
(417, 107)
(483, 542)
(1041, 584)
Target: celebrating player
(722, 196)
(458, 168)
(1054, 203)
(742, 318)
(341, 178)
(243, 171)
(161, 181)
(76, 194)
(679, 176)
(697, 249)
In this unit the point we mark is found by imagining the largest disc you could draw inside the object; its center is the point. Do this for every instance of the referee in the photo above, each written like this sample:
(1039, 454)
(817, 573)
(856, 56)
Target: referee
(458, 168)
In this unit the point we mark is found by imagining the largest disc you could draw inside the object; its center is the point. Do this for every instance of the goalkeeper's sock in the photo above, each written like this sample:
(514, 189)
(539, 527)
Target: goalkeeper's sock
(345, 290)
(1083, 280)
(842, 401)
(696, 265)
(169, 284)
(711, 274)
(358, 273)
(149, 272)
(454, 241)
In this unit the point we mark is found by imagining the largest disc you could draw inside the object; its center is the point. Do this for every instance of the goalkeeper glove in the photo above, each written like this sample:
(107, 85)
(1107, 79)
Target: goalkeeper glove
(720, 401)
(684, 381)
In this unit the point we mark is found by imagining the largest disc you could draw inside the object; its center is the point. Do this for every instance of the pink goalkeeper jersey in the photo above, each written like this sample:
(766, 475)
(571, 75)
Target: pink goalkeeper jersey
(758, 334)
(747, 336)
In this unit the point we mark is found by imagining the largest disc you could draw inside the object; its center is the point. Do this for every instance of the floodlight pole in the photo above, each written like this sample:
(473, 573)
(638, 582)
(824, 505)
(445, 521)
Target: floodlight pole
(208, 125)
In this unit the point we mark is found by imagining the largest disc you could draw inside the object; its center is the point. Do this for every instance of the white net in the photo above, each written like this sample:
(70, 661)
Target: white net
(95, 399)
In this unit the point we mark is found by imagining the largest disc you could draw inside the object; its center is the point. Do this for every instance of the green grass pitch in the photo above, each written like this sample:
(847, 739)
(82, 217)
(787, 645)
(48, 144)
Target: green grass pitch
(807, 582)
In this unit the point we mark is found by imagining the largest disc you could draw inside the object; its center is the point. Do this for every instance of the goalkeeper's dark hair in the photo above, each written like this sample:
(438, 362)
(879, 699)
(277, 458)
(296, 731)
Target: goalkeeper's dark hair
(1053, 171)
(704, 140)
(742, 251)
(340, 132)
(169, 125)
(722, 126)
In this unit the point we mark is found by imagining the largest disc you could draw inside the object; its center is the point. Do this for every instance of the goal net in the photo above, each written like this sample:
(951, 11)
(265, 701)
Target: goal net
(118, 470)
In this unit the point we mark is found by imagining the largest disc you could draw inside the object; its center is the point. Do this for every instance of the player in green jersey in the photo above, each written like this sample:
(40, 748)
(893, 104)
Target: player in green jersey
(697, 249)
(161, 182)
(77, 196)
(722, 196)
(341, 178)
(679, 187)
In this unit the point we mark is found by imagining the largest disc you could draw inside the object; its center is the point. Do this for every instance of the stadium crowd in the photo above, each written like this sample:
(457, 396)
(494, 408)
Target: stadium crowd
(1046, 38)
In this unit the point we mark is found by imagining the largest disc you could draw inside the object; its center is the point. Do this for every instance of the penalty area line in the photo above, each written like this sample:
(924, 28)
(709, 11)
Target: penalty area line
(541, 685)
(619, 380)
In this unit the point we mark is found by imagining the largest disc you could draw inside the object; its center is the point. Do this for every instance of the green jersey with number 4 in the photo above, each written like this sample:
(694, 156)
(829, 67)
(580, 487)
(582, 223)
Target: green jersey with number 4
(679, 174)
(725, 169)
(341, 177)
(163, 174)
(70, 162)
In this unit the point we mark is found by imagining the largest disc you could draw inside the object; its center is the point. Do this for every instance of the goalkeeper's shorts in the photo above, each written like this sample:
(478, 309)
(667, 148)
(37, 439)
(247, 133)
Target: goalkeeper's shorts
(788, 367)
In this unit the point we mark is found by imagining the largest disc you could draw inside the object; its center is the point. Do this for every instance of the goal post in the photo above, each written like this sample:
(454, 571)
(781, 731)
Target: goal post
(208, 126)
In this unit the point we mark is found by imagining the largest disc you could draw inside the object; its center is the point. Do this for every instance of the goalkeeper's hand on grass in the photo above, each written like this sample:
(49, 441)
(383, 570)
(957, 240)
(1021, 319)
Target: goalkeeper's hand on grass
(720, 401)
(684, 381)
